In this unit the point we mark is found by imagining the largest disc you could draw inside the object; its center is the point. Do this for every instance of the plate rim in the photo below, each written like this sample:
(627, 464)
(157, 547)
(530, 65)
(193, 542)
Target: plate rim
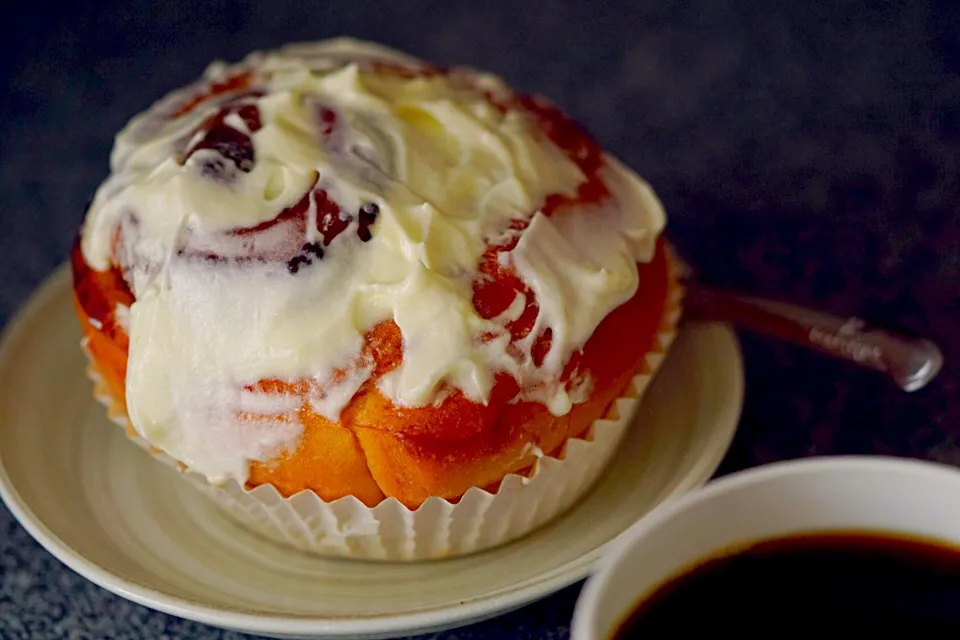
(291, 625)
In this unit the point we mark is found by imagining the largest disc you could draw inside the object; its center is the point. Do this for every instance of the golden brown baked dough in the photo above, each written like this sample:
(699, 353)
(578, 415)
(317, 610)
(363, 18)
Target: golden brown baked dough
(380, 450)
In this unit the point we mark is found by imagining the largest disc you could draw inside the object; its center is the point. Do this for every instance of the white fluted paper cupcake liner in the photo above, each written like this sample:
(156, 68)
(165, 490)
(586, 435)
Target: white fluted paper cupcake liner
(439, 528)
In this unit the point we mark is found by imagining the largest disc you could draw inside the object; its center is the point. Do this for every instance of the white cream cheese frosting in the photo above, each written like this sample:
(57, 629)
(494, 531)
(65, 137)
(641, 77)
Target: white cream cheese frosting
(427, 172)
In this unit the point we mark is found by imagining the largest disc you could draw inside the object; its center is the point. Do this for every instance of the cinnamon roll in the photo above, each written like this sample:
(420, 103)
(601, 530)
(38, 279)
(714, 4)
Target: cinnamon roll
(337, 269)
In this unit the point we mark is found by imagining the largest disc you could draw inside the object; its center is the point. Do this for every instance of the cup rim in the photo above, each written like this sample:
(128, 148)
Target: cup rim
(585, 610)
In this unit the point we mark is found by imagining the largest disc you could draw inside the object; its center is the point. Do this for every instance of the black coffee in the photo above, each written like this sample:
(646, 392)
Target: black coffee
(815, 586)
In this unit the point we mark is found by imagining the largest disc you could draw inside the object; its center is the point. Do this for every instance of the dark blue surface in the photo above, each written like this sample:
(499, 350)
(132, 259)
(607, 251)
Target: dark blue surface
(805, 150)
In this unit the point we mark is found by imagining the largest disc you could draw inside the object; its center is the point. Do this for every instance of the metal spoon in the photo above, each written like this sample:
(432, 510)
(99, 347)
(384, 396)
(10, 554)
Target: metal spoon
(911, 362)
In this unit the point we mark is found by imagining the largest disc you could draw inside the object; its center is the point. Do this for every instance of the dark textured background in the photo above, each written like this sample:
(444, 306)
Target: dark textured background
(808, 150)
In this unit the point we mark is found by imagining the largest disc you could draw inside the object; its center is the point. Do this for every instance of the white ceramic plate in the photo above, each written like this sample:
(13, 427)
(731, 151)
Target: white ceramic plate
(127, 523)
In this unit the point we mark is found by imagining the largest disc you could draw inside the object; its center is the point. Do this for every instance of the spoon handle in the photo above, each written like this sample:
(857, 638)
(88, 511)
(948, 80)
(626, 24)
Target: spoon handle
(911, 362)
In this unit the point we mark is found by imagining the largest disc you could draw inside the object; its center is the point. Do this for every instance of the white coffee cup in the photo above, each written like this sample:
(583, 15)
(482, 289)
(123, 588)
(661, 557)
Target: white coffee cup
(840, 494)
